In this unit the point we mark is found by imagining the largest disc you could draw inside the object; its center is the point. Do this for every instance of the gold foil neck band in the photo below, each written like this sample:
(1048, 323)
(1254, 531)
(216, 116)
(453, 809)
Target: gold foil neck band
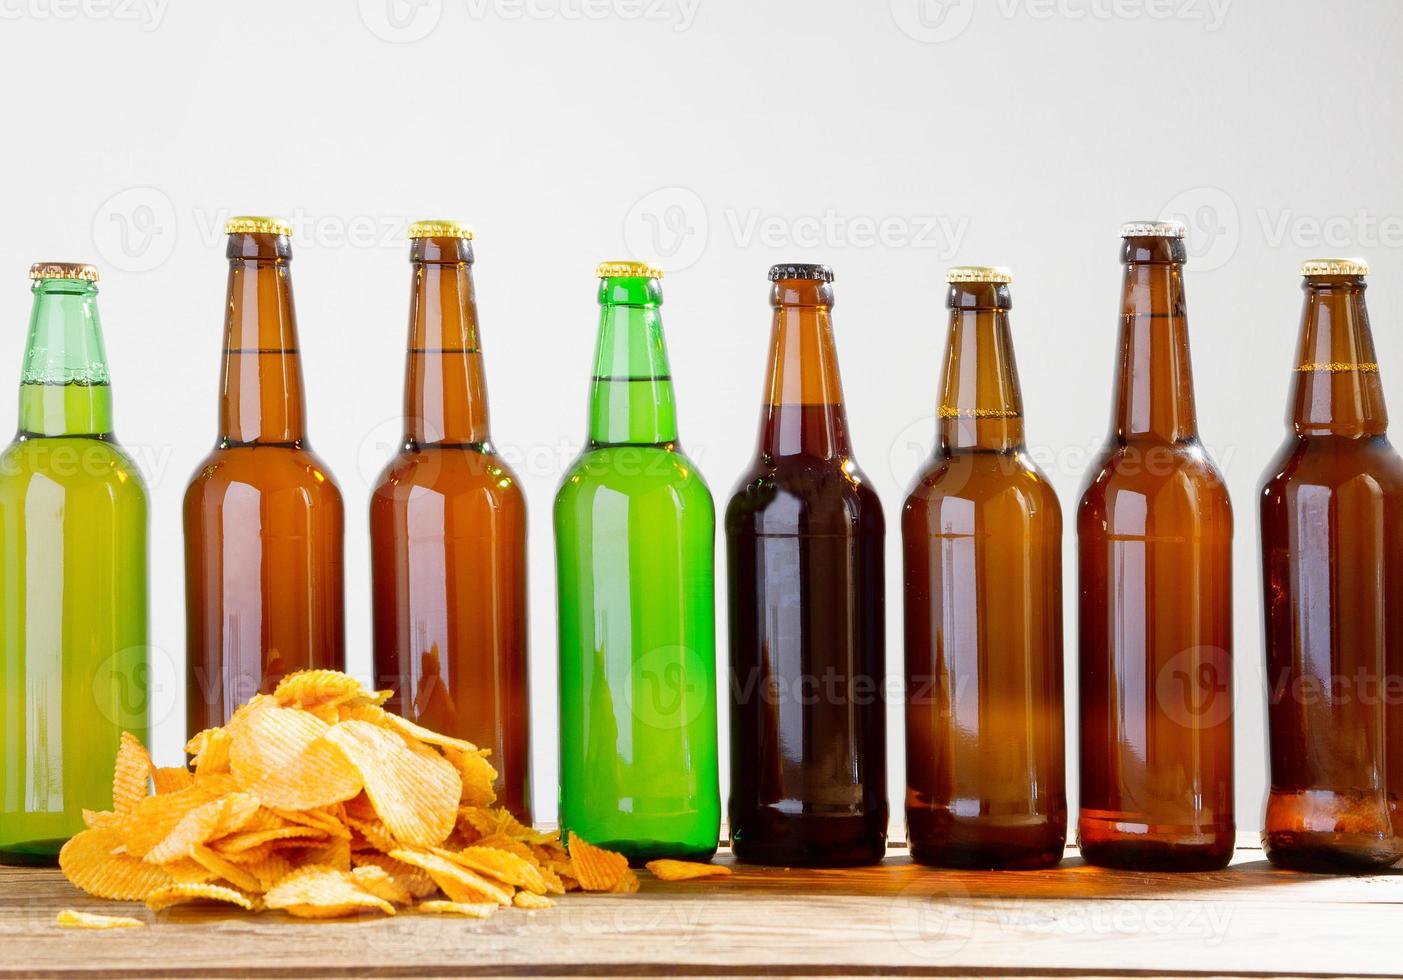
(1339, 367)
(950, 412)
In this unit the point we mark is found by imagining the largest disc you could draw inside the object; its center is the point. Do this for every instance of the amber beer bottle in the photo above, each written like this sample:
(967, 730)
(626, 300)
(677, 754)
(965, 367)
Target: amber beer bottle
(1332, 569)
(804, 534)
(263, 516)
(1155, 541)
(982, 532)
(448, 533)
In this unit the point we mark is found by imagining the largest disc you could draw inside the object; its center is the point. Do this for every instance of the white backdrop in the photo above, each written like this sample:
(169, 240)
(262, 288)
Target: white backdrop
(716, 136)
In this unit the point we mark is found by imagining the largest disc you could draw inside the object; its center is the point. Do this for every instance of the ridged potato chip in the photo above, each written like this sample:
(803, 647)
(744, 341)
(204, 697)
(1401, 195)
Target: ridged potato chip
(530, 900)
(309, 689)
(508, 868)
(316, 892)
(471, 910)
(285, 757)
(90, 860)
(206, 822)
(240, 877)
(184, 894)
(416, 880)
(210, 751)
(477, 774)
(596, 869)
(382, 884)
(670, 870)
(74, 919)
(415, 794)
(132, 778)
(457, 882)
(169, 779)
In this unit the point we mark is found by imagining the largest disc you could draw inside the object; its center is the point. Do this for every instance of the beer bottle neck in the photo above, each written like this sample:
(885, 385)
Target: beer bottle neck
(631, 401)
(804, 413)
(981, 407)
(1154, 381)
(1337, 389)
(64, 386)
(261, 401)
(445, 396)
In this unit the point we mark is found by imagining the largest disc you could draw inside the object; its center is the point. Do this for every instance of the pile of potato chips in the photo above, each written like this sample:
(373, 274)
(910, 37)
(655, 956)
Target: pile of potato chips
(317, 801)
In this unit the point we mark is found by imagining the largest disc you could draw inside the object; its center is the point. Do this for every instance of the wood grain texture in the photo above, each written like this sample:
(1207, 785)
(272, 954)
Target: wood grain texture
(897, 918)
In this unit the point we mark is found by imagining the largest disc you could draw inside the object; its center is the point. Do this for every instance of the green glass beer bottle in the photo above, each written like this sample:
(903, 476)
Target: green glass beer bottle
(73, 669)
(634, 535)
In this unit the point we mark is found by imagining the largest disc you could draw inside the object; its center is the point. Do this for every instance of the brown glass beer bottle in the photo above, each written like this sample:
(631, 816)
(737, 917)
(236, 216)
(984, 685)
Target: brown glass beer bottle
(263, 517)
(982, 532)
(1332, 569)
(1155, 553)
(448, 533)
(804, 535)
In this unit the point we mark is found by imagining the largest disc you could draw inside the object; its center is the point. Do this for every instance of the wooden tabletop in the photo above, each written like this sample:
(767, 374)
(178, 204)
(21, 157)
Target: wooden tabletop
(897, 918)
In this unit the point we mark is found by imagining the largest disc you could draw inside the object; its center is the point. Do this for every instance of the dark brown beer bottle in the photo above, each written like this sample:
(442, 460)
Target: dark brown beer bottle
(1332, 569)
(1155, 552)
(804, 534)
(982, 532)
(263, 517)
(448, 533)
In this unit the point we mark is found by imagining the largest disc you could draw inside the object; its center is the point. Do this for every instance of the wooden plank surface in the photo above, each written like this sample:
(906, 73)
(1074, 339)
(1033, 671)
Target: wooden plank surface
(897, 918)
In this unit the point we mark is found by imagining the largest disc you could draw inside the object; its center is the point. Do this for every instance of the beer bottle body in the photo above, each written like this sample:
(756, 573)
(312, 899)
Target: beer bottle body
(804, 537)
(263, 517)
(982, 539)
(1331, 513)
(1155, 577)
(635, 532)
(73, 581)
(448, 534)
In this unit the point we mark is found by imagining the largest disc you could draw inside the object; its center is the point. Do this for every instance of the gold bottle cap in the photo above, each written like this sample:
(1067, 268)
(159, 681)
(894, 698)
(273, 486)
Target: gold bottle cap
(253, 224)
(440, 228)
(617, 270)
(1334, 267)
(1152, 229)
(978, 273)
(63, 270)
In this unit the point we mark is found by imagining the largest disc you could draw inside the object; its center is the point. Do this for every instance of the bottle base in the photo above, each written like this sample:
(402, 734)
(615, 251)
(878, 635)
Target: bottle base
(986, 857)
(1108, 843)
(781, 841)
(32, 854)
(1330, 853)
(1023, 843)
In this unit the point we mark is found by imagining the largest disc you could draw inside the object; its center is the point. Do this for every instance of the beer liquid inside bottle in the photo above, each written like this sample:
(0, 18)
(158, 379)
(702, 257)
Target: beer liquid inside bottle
(448, 534)
(1155, 554)
(73, 607)
(1332, 564)
(982, 532)
(263, 516)
(804, 538)
(635, 532)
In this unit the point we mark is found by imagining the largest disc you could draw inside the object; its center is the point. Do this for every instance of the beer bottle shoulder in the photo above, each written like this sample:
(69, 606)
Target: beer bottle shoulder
(269, 470)
(1334, 465)
(634, 471)
(75, 464)
(1008, 482)
(1173, 486)
(450, 472)
(804, 494)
